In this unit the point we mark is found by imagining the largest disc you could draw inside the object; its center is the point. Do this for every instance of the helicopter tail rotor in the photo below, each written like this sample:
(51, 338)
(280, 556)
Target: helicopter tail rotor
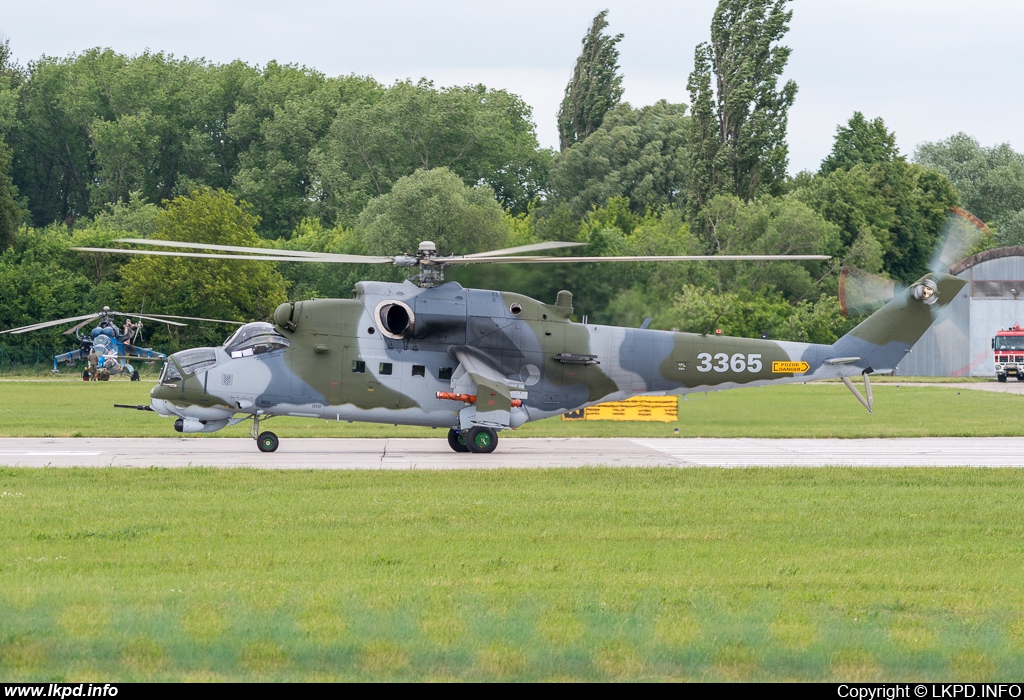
(863, 292)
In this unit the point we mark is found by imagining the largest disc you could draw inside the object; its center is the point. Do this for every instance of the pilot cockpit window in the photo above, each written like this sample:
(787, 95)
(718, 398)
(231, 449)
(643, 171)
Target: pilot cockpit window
(170, 373)
(191, 361)
(255, 339)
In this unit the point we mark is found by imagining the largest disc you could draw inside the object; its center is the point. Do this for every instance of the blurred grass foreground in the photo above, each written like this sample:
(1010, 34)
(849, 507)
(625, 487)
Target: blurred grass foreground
(577, 574)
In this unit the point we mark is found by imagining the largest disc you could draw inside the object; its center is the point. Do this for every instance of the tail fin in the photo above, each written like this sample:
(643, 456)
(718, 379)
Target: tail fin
(886, 336)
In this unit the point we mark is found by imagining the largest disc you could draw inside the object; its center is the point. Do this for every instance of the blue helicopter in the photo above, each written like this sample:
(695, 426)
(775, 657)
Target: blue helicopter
(109, 347)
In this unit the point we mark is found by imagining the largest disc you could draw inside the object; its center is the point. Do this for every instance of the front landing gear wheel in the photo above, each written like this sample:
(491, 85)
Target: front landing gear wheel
(481, 440)
(267, 442)
(456, 441)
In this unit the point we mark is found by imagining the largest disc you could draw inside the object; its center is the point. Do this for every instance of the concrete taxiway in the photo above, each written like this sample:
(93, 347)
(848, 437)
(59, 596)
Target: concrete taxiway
(407, 453)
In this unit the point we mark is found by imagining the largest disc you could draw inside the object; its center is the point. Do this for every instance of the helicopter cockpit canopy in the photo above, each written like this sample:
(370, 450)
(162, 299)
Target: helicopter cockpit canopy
(255, 339)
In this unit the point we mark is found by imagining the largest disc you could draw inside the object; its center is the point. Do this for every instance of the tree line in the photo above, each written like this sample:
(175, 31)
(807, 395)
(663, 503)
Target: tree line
(98, 144)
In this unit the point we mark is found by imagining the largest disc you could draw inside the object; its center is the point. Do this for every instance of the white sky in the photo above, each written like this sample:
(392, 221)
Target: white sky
(930, 68)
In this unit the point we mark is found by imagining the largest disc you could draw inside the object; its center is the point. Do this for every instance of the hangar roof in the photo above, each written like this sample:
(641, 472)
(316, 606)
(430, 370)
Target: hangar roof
(985, 256)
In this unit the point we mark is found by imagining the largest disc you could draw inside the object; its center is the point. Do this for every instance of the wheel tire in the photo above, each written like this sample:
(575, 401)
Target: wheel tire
(1001, 377)
(135, 376)
(1020, 376)
(267, 442)
(481, 440)
(456, 441)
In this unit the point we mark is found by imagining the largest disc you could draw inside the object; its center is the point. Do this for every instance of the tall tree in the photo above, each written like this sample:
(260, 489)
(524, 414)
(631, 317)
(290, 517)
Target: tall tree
(861, 141)
(595, 87)
(10, 211)
(738, 138)
(11, 77)
(483, 136)
(433, 205)
(887, 209)
(640, 154)
(990, 180)
(232, 289)
(292, 111)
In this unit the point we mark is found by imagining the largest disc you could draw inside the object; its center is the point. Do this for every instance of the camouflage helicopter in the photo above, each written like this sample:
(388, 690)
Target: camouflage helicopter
(429, 353)
(113, 346)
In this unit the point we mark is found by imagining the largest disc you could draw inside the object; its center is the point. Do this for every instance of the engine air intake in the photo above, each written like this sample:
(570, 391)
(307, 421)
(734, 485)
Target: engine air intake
(395, 319)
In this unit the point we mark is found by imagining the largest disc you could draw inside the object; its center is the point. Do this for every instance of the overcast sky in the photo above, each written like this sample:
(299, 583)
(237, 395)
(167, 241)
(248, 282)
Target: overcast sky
(930, 68)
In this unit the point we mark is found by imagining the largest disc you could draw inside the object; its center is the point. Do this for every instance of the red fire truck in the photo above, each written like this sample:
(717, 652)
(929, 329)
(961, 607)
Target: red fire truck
(1009, 352)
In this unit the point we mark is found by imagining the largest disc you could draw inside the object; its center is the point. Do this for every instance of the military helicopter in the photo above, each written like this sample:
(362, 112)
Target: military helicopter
(113, 346)
(429, 353)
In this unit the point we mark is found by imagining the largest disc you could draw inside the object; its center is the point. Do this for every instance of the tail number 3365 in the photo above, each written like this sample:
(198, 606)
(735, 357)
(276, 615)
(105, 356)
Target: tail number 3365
(722, 362)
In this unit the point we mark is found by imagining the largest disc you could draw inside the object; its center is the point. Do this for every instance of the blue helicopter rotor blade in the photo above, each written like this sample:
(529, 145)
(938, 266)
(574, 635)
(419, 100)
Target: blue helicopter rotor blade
(161, 317)
(77, 326)
(47, 324)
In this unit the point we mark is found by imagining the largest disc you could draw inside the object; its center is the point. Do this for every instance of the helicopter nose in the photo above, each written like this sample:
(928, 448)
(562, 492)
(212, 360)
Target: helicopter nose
(161, 406)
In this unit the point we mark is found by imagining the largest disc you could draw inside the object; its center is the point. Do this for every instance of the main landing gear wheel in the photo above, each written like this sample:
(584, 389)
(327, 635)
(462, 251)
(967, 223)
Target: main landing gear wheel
(481, 440)
(456, 441)
(267, 441)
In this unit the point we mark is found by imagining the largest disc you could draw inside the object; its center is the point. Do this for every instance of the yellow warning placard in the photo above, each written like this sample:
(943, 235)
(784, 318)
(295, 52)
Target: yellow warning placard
(790, 367)
(660, 409)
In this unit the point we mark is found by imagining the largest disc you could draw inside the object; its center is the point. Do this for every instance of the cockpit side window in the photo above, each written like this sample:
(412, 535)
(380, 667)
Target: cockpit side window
(255, 339)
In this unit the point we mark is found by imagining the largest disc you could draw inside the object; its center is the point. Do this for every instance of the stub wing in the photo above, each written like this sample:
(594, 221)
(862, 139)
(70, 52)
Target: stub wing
(494, 395)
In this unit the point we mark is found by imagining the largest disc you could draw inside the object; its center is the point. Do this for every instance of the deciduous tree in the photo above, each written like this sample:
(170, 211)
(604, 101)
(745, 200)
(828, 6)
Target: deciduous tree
(483, 136)
(595, 87)
(640, 154)
(229, 289)
(990, 180)
(433, 205)
(738, 138)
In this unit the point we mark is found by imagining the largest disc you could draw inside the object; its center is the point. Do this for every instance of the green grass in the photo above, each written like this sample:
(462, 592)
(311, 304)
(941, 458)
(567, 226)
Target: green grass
(78, 409)
(702, 574)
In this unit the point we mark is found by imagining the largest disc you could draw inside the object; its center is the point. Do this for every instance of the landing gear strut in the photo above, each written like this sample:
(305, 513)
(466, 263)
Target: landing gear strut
(266, 441)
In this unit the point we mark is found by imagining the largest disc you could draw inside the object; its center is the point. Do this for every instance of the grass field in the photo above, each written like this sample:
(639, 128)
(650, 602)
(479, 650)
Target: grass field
(55, 408)
(585, 574)
(702, 574)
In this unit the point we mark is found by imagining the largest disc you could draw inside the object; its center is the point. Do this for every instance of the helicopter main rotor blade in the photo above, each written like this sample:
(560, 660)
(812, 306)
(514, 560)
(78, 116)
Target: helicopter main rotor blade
(301, 254)
(161, 317)
(76, 326)
(151, 318)
(631, 258)
(47, 324)
(548, 245)
(321, 257)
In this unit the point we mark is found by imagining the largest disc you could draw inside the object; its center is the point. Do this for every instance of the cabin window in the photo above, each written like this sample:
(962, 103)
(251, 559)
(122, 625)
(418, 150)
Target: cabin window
(358, 366)
(444, 373)
(385, 368)
(419, 371)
